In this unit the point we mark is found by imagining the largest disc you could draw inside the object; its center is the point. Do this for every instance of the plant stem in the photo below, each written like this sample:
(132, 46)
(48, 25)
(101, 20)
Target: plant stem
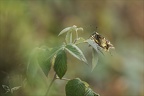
(54, 78)
(76, 34)
(50, 84)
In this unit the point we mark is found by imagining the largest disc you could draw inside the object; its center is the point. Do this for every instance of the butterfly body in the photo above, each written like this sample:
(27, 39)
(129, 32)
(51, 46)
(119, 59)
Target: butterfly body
(101, 41)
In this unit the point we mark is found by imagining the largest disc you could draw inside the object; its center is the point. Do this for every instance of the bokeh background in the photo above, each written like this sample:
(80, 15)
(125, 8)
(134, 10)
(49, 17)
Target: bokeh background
(26, 24)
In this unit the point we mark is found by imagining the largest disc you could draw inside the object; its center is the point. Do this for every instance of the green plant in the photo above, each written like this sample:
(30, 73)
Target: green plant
(56, 57)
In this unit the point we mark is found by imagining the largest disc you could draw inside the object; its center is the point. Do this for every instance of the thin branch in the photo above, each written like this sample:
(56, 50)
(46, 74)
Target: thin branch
(50, 85)
(76, 34)
(54, 78)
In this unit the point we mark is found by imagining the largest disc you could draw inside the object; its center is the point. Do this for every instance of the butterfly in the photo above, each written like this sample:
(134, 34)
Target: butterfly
(101, 41)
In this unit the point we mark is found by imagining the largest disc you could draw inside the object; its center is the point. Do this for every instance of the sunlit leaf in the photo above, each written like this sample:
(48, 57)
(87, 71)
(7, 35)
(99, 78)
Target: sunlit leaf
(86, 84)
(76, 52)
(65, 30)
(69, 37)
(60, 64)
(94, 58)
(68, 29)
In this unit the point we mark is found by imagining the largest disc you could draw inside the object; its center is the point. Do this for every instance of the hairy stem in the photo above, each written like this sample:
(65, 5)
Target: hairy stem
(50, 85)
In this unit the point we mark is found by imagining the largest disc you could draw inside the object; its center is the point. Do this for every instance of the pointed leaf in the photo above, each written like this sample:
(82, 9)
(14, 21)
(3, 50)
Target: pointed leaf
(44, 57)
(32, 67)
(60, 64)
(76, 52)
(54, 51)
(44, 63)
(93, 44)
(44, 60)
(69, 37)
(68, 29)
(94, 58)
(65, 30)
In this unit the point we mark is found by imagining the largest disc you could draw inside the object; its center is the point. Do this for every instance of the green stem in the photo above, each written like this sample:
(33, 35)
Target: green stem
(76, 34)
(50, 85)
(54, 78)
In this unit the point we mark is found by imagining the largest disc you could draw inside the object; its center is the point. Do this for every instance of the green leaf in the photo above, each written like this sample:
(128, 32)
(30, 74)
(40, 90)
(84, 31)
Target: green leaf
(54, 51)
(45, 57)
(89, 92)
(76, 52)
(93, 44)
(68, 37)
(79, 29)
(60, 64)
(44, 63)
(75, 87)
(94, 58)
(65, 30)
(68, 29)
(32, 67)
(41, 58)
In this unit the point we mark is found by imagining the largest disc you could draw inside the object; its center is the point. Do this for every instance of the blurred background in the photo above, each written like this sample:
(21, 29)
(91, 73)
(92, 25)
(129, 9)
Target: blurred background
(26, 24)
